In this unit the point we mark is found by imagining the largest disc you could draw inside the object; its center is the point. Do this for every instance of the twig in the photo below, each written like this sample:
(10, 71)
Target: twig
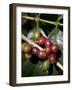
(42, 20)
(31, 42)
(60, 17)
(35, 45)
(47, 21)
(59, 65)
(42, 32)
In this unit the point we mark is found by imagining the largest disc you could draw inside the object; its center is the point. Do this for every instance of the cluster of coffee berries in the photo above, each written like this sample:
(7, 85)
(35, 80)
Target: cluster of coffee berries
(26, 48)
(49, 50)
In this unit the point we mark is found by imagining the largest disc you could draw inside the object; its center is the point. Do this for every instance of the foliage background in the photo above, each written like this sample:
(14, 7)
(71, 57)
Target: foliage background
(32, 67)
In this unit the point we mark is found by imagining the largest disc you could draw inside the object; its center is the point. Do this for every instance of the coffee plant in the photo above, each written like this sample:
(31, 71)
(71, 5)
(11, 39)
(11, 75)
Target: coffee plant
(42, 44)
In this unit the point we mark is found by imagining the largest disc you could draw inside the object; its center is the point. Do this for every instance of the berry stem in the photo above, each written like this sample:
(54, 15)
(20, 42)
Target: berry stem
(59, 65)
(42, 20)
(30, 42)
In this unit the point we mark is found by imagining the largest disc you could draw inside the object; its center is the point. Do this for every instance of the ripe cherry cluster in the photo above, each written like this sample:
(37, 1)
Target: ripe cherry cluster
(49, 52)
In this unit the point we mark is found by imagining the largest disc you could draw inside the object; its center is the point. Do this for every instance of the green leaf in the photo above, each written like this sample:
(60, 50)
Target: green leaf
(53, 35)
(38, 71)
(27, 68)
(50, 69)
(60, 17)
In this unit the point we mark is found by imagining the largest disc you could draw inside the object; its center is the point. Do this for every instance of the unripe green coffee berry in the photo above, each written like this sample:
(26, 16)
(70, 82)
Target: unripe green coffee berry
(45, 65)
(28, 55)
(37, 35)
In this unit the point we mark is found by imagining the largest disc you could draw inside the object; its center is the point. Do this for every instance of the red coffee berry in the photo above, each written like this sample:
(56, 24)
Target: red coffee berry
(35, 50)
(42, 54)
(55, 48)
(52, 58)
(48, 50)
(42, 40)
(48, 43)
